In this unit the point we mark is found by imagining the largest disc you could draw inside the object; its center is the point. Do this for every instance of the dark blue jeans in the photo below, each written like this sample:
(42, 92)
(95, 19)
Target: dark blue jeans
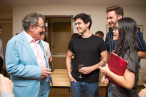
(90, 89)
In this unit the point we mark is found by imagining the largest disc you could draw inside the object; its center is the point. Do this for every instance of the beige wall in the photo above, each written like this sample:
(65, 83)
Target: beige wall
(97, 13)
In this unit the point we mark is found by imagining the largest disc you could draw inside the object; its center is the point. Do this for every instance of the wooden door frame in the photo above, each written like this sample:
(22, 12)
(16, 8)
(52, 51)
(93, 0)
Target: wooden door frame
(62, 16)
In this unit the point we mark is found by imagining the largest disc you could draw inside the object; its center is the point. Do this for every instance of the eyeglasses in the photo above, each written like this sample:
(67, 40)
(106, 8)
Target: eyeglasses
(115, 28)
(78, 23)
(41, 26)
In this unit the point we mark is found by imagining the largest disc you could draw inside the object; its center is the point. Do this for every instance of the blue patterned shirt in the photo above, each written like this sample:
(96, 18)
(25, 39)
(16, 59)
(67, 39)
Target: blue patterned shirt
(111, 45)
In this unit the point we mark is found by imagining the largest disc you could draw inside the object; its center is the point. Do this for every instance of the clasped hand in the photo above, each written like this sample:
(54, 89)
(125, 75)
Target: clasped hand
(85, 70)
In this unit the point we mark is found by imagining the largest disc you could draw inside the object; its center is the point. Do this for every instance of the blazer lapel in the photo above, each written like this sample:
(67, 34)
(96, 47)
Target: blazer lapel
(28, 47)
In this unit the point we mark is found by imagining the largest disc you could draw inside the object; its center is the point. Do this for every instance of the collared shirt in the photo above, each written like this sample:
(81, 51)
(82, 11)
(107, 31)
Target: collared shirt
(111, 45)
(47, 48)
(1, 49)
(38, 52)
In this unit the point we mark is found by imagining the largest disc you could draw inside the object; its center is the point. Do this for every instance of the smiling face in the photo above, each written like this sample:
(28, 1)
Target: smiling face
(37, 29)
(112, 18)
(81, 26)
(116, 33)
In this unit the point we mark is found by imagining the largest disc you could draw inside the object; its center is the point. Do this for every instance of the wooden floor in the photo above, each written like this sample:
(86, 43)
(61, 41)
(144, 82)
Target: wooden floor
(64, 92)
(60, 80)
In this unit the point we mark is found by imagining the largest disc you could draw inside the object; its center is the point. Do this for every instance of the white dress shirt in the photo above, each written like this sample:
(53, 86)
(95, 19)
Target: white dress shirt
(47, 48)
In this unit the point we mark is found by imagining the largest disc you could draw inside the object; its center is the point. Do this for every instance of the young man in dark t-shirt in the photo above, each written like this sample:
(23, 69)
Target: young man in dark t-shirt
(87, 49)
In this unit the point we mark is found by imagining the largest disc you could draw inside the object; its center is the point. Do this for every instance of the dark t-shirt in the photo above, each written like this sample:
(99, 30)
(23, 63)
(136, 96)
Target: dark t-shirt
(133, 65)
(87, 51)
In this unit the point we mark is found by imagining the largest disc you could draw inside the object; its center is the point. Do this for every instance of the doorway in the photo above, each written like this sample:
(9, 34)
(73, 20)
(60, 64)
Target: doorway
(58, 34)
(7, 33)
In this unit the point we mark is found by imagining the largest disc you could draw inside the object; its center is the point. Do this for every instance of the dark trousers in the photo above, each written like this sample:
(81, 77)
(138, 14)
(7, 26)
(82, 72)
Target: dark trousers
(1, 64)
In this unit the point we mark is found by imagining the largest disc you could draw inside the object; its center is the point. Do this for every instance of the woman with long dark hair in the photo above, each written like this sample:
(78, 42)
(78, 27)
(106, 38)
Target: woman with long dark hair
(125, 35)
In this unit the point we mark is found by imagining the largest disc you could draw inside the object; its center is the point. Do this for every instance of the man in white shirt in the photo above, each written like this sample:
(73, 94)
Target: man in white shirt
(46, 47)
(1, 51)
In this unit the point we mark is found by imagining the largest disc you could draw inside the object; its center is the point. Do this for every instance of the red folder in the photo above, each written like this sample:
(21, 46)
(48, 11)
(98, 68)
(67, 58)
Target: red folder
(117, 65)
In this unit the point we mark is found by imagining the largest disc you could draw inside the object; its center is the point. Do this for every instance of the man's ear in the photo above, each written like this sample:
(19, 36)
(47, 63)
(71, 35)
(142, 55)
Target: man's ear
(31, 27)
(120, 17)
(87, 24)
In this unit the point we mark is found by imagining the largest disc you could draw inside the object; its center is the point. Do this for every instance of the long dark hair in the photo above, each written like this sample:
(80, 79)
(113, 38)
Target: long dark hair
(127, 41)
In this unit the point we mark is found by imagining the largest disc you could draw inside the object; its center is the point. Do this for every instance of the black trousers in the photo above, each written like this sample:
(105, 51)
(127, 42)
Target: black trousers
(1, 64)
